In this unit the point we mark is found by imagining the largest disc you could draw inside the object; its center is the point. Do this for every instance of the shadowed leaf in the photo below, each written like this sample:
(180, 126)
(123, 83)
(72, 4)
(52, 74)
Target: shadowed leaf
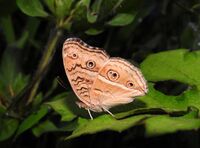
(8, 127)
(32, 8)
(122, 19)
(31, 120)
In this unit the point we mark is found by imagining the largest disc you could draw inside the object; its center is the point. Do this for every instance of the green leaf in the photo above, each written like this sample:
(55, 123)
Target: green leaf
(154, 124)
(77, 16)
(93, 13)
(8, 127)
(28, 33)
(91, 17)
(23, 40)
(172, 65)
(110, 7)
(48, 126)
(122, 19)
(161, 124)
(156, 99)
(80, 10)
(31, 120)
(105, 122)
(93, 31)
(19, 82)
(32, 8)
(2, 109)
(180, 65)
(37, 100)
(60, 8)
(8, 29)
(12, 81)
(61, 106)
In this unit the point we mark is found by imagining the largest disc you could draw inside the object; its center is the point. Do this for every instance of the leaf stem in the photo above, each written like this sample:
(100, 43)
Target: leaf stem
(44, 62)
(7, 26)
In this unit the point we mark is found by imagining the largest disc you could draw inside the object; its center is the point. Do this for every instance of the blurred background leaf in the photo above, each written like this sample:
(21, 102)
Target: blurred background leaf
(60, 8)
(31, 120)
(12, 80)
(32, 7)
(8, 127)
(121, 19)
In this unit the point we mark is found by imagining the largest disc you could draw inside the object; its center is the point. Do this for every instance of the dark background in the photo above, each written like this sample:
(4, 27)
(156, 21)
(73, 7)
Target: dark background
(162, 25)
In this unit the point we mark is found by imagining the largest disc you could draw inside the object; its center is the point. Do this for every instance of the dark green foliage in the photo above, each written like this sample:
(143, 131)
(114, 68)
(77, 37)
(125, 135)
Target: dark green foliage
(160, 37)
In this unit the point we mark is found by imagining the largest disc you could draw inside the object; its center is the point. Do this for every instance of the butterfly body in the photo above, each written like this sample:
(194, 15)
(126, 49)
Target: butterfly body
(100, 82)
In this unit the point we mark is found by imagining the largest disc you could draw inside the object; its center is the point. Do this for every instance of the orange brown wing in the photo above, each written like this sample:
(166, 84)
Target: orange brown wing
(82, 63)
(117, 83)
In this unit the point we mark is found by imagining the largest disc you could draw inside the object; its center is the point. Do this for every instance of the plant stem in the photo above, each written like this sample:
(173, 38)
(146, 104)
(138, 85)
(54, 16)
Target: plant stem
(7, 26)
(44, 62)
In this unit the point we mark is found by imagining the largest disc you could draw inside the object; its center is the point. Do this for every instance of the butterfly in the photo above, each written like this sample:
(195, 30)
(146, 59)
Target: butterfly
(98, 80)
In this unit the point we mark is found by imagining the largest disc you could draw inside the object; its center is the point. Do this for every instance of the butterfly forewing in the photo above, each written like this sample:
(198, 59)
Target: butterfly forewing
(82, 63)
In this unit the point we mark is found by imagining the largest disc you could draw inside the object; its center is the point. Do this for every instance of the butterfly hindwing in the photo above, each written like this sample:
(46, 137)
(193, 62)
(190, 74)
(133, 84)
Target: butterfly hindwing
(117, 83)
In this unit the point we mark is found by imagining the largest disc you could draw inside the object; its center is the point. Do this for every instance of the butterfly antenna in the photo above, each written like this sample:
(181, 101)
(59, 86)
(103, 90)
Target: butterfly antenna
(108, 112)
(60, 81)
(90, 114)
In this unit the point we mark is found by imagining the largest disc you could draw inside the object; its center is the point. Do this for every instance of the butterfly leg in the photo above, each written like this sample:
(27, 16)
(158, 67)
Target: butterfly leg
(83, 105)
(106, 110)
(90, 114)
